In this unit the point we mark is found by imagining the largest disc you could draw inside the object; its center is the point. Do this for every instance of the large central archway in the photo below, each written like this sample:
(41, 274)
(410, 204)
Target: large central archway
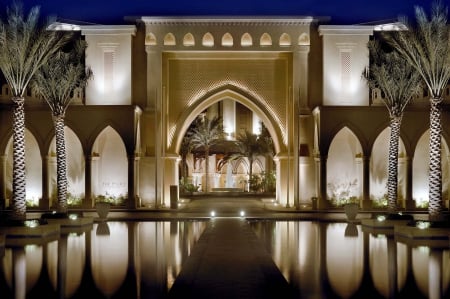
(232, 93)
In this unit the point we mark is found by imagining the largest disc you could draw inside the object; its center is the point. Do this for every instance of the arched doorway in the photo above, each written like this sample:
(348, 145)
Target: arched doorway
(259, 109)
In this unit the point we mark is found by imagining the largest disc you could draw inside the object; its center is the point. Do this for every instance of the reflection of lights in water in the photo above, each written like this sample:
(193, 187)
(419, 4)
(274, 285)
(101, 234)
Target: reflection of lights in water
(31, 223)
(381, 218)
(422, 224)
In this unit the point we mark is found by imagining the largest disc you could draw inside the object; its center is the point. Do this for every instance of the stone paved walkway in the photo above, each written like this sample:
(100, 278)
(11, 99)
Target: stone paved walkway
(230, 262)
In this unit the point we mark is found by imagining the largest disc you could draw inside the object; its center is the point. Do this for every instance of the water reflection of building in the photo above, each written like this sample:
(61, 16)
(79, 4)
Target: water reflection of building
(104, 266)
(300, 76)
(316, 258)
(319, 260)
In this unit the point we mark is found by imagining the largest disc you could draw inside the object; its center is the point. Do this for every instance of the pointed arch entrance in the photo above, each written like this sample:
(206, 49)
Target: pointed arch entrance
(229, 92)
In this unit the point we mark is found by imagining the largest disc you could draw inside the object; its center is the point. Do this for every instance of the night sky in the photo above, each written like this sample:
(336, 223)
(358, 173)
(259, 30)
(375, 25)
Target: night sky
(115, 11)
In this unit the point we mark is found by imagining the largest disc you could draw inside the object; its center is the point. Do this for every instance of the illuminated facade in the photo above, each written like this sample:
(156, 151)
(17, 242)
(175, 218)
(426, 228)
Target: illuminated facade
(300, 77)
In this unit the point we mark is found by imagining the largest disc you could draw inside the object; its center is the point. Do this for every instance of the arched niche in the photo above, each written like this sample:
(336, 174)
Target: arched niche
(303, 39)
(208, 40)
(227, 40)
(379, 164)
(75, 164)
(150, 39)
(33, 170)
(169, 39)
(285, 40)
(344, 167)
(421, 163)
(246, 40)
(109, 167)
(265, 40)
(188, 40)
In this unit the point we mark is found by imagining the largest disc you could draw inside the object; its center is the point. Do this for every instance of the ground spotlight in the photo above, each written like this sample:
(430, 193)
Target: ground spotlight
(213, 214)
(242, 213)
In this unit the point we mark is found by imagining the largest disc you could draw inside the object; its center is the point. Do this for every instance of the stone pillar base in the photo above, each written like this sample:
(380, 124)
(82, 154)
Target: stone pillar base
(366, 204)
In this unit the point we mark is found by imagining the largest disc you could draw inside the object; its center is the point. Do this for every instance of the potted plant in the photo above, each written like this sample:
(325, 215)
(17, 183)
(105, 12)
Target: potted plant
(351, 208)
(102, 206)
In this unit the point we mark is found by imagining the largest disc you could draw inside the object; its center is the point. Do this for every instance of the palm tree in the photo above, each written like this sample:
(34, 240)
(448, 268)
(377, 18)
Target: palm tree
(25, 45)
(186, 148)
(399, 82)
(251, 146)
(55, 82)
(426, 47)
(205, 134)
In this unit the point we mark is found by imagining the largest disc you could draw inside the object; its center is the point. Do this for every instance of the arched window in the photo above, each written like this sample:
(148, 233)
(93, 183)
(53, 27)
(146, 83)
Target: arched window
(188, 40)
(246, 40)
(169, 39)
(303, 39)
(285, 40)
(265, 40)
(227, 40)
(208, 40)
(150, 39)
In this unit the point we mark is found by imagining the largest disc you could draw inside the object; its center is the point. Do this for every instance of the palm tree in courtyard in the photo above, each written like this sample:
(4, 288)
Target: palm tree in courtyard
(251, 146)
(426, 47)
(399, 82)
(25, 45)
(205, 134)
(55, 82)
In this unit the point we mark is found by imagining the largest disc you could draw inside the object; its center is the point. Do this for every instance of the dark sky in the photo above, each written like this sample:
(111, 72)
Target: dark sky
(114, 11)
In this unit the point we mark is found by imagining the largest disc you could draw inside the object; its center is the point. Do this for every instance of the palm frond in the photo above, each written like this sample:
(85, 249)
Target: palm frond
(398, 80)
(60, 76)
(26, 46)
(426, 46)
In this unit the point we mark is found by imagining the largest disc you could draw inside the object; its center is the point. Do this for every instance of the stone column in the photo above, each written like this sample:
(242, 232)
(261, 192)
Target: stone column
(45, 200)
(170, 176)
(366, 202)
(88, 202)
(321, 164)
(229, 118)
(409, 202)
(284, 194)
(133, 180)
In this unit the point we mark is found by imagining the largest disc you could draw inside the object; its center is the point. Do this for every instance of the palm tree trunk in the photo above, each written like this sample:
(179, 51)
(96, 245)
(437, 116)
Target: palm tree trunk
(395, 123)
(435, 181)
(19, 184)
(61, 169)
(207, 168)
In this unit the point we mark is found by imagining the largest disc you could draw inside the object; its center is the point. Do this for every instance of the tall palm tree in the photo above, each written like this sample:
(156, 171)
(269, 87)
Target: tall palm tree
(205, 134)
(399, 82)
(55, 82)
(426, 46)
(25, 45)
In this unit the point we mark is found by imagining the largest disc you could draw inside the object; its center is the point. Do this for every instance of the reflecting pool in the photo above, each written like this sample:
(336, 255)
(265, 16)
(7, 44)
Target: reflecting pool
(339, 260)
(109, 260)
(118, 259)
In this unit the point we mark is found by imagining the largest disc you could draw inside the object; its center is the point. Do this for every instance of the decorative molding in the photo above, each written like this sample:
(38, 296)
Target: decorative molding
(346, 30)
(229, 21)
(108, 30)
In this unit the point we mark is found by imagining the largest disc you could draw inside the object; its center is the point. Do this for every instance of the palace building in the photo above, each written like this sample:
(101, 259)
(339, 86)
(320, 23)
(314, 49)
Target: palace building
(299, 76)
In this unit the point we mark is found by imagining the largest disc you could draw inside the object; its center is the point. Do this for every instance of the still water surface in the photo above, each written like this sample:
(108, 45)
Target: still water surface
(142, 260)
